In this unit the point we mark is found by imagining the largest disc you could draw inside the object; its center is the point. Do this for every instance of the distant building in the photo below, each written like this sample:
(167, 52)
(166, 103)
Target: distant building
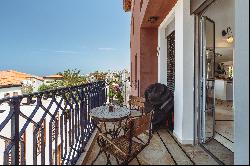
(51, 78)
(35, 82)
(11, 83)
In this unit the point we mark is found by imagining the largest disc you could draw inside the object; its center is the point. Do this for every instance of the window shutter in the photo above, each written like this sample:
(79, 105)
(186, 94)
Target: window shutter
(171, 62)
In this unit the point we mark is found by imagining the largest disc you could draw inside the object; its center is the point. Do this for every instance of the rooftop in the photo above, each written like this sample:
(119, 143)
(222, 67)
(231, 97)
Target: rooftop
(12, 78)
(54, 76)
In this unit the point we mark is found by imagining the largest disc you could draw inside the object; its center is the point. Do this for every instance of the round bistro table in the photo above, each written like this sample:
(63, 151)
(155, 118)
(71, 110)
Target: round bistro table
(102, 114)
(108, 123)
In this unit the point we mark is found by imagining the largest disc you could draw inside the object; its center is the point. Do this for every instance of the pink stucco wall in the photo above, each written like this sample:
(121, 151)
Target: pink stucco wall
(144, 41)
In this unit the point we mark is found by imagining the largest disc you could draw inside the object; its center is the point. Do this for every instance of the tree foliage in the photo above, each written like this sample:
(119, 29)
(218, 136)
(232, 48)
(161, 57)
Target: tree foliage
(43, 87)
(70, 78)
(99, 76)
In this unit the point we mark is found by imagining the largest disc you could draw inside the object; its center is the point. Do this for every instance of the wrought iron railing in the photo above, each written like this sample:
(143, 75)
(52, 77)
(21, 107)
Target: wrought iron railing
(51, 127)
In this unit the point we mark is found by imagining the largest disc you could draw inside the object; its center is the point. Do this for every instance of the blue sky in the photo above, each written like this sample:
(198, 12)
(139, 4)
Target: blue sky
(44, 37)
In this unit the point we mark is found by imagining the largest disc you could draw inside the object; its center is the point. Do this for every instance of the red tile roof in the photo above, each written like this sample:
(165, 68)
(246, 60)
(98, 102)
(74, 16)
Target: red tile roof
(12, 78)
(56, 76)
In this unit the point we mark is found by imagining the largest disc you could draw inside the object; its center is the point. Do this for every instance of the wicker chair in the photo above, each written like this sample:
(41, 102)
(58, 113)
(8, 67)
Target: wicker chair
(126, 147)
(136, 104)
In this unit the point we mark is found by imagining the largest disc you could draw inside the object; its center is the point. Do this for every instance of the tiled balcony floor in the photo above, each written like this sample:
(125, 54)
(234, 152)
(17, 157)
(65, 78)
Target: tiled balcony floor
(224, 124)
(164, 150)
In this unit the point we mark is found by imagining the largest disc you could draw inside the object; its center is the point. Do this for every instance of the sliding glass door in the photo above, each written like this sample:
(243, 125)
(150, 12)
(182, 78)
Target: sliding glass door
(207, 80)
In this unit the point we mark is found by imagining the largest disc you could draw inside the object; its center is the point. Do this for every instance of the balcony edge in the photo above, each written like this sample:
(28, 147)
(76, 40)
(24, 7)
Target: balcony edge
(85, 155)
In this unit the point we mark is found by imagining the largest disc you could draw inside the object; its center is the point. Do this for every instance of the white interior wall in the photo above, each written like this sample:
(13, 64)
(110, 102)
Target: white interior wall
(184, 68)
(222, 13)
(241, 82)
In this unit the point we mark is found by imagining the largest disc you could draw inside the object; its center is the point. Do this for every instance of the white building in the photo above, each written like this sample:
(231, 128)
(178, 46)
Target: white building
(35, 82)
(51, 78)
(11, 83)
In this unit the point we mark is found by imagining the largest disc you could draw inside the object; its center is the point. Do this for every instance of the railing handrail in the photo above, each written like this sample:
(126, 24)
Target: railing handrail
(48, 91)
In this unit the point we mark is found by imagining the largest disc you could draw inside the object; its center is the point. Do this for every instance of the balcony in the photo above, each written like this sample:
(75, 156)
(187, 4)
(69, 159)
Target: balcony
(54, 127)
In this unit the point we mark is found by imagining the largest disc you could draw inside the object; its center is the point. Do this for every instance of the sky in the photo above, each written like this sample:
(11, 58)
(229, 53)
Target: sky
(43, 37)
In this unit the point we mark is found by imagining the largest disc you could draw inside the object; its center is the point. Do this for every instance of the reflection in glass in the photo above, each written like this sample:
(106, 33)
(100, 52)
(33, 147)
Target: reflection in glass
(210, 58)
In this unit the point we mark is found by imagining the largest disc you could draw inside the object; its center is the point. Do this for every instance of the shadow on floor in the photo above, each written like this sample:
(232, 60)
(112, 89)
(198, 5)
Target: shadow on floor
(165, 150)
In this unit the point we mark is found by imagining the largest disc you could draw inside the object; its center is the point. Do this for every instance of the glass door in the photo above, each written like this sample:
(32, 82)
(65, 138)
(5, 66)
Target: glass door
(207, 80)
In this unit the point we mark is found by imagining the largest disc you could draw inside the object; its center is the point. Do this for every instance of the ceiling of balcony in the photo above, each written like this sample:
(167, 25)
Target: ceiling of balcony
(157, 9)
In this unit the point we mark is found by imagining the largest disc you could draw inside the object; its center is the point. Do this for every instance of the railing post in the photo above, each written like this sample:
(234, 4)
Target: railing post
(15, 106)
(105, 96)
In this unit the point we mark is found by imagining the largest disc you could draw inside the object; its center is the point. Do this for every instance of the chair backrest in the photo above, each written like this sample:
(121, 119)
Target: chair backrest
(140, 125)
(136, 102)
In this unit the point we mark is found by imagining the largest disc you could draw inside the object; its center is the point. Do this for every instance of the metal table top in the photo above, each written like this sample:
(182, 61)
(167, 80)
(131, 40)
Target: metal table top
(103, 114)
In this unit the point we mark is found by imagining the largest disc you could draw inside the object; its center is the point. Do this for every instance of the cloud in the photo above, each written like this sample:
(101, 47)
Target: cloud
(58, 52)
(36, 52)
(39, 51)
(66, 52)
(106, 49)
